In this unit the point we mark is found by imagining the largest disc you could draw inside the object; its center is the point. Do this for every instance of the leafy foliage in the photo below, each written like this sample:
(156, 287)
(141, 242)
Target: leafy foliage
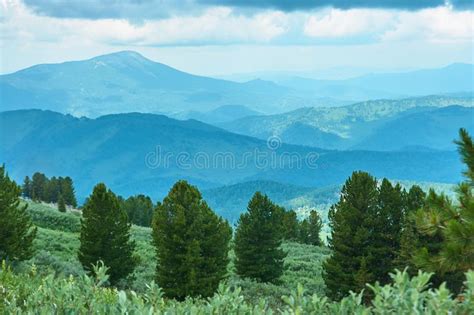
(16, 230)
(192, 244)
(27, 293)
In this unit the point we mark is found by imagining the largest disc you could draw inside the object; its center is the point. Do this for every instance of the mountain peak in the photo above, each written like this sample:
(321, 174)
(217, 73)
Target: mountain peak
(125, 56)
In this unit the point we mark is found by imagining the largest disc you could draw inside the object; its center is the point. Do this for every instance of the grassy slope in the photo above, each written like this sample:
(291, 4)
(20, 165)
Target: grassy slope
(57, 243)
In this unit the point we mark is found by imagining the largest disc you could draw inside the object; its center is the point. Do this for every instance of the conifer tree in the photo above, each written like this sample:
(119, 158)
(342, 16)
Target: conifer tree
(313, 230)
(139, 209)
(409, 239)
(452, 223)
(105, 235)
(26, 188)
(61, 204)
(386, 232)
(38, 186)
(351, 223)
(289, 224)
(67, 190)
(257, 241)
(16, 230)
(192, 244)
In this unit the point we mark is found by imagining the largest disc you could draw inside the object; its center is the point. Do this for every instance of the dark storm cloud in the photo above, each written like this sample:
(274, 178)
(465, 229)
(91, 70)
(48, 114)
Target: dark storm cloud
(156, 9)
(103, 9)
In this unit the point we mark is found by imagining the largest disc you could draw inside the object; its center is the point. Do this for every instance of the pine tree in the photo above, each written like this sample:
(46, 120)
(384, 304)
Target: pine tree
(289, 224)
(315, 224)
(61, 204)
(257, 241)
(26, 188)
(16, 230)
(192, 244)
(303, 231)
(310, 228)
(351, 223)
(38, 186)
(409, 239)
(386, 232)
(452, 224)
(67, 190)
(105, 235)
(139, 209)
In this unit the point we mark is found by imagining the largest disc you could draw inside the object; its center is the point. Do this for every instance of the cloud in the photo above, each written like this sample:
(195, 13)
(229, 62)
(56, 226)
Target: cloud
(293, 5)
(214, 25)
(140, 10)
(345, 23)
(434, 25)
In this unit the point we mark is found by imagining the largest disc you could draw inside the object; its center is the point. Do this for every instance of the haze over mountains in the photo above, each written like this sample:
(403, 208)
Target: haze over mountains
(148, 125)
(128, 82)
(415, 122)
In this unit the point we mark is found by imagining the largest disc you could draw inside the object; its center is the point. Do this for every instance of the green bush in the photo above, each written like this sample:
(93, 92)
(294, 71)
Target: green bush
(50, 218)
(33, 294)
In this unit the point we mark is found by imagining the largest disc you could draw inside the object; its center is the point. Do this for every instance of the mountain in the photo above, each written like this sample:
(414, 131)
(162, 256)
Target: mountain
(128, 82)
(348, 126)
(146, 153)
(453, 78)
(432, 128)
(219, 115)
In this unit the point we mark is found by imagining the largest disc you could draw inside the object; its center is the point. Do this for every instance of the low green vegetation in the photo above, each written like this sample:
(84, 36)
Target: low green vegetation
(30, 293)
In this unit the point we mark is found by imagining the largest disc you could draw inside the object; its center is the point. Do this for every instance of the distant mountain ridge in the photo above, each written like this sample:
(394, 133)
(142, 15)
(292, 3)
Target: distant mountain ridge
(128, 82)
(456, 77)
(146, 153)
(352, 126)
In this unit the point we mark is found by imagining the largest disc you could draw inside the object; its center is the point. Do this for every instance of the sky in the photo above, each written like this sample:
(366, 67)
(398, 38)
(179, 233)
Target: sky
(211, 37)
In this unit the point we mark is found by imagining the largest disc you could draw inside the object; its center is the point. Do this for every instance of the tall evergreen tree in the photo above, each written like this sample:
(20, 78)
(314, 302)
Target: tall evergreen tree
(192, 244)
(61, 204)
(351, 223)
(67, 190)
(16, 230)
(258, 240)
(139, 209)
(289, 224)
(38, 186)
(311, 229)
(452, 223)
(409, 239)
(387, 229)
(26, 188)
(105, 235)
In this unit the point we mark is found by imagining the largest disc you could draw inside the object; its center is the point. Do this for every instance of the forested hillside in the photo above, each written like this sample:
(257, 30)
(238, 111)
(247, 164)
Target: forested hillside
(420, 121)
(146, 154)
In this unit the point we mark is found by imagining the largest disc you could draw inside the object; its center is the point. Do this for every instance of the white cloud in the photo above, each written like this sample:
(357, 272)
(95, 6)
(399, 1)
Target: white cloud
(434, 25)
(215, 25)
(440, 24)
(345, 23)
